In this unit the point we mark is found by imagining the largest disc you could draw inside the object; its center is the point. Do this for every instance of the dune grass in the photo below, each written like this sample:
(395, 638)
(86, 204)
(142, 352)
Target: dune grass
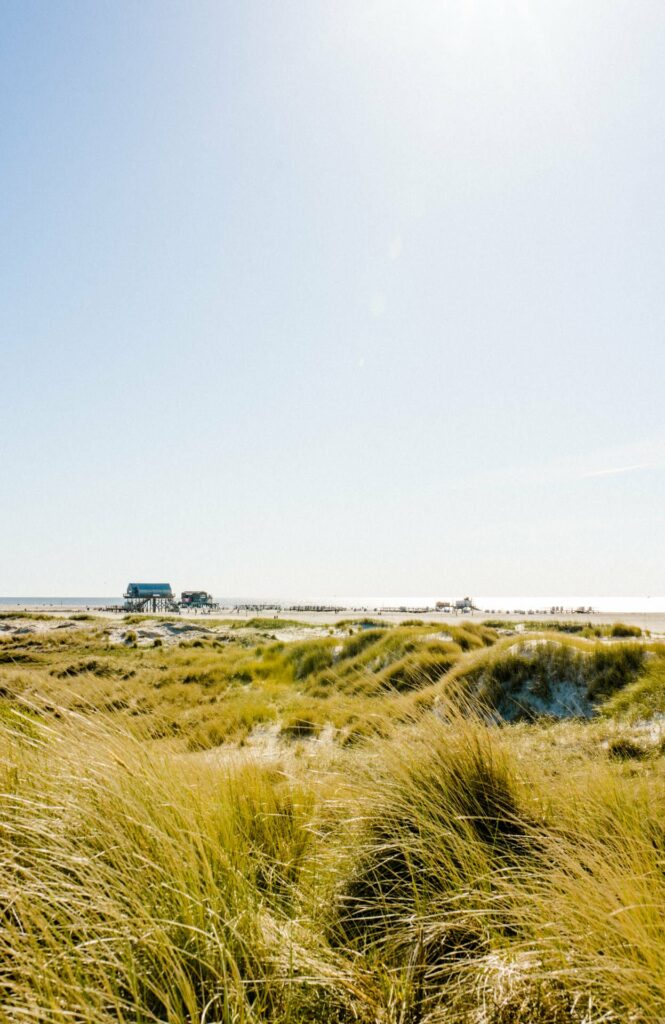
(573, 627)
(219, 686)
(645, 698)
(419, 867)
(447, 875)
(138, 893)
(502, 884)
(545, 674)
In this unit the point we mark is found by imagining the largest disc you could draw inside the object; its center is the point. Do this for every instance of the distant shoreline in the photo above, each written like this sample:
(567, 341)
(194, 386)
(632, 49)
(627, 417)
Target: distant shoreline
(652, 621)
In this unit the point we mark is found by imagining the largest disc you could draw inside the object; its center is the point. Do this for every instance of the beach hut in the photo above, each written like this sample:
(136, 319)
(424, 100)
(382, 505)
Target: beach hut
(155, 597)
(196, 599)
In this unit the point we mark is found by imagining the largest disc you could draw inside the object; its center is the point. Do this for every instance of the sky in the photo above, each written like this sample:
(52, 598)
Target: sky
(339, 297)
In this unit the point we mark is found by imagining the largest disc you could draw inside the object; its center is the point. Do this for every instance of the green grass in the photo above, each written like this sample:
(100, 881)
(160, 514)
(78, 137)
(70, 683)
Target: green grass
(586, 629)
(645, 697)
(33, 616)
(620, 629)
(215, 689)
(520, 679)
(271, 624)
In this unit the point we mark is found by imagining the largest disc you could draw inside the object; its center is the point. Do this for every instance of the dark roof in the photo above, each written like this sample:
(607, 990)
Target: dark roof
(148, 589)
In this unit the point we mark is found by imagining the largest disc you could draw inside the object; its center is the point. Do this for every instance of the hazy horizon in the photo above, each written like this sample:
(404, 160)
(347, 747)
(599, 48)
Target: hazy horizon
(346, 297)
(623, 604)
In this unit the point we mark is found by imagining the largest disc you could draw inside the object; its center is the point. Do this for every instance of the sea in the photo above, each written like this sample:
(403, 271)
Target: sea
(633, 604)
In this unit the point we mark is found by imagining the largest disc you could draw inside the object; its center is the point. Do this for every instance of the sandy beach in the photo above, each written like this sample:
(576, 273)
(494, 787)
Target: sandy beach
(654, 622)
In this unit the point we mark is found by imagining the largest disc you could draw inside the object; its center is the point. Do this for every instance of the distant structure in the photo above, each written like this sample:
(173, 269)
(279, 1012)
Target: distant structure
(465, 605)
(150, 597)
(196, 599)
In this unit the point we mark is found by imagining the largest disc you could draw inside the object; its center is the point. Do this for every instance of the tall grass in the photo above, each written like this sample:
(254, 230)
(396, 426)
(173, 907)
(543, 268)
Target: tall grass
(504, 895)
(559, 677)
(449, 875)
(136, 889)
(442, 870)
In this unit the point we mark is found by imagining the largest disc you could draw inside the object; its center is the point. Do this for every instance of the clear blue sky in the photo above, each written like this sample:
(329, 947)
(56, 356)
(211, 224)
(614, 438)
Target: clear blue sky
(332, 297)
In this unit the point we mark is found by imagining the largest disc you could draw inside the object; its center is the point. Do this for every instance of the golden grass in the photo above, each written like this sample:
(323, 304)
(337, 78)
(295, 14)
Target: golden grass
(425, 867)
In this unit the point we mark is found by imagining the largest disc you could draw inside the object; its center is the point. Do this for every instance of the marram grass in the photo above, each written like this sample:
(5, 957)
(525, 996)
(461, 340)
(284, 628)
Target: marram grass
(427, 868)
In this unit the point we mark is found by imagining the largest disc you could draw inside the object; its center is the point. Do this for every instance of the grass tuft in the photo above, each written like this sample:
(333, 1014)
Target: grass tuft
(330, 830)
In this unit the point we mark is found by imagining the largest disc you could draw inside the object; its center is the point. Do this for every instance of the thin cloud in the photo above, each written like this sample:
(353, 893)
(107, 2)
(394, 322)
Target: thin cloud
(614, 470)
(630, 458)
